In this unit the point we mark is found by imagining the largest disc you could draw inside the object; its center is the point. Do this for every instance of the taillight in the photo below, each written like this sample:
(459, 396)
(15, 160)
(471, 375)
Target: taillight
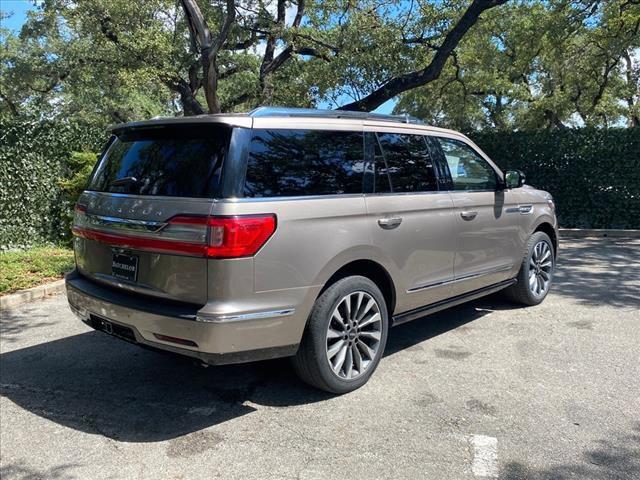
(212, 237)
(228, 237)
(79, 216)
(239, 236)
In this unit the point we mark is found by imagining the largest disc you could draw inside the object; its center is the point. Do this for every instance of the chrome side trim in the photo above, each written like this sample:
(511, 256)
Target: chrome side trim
(162, 198)
(214, 318)
(325, 197)
(503, 268)
(525, 209)
(124, 223)
(288, 198)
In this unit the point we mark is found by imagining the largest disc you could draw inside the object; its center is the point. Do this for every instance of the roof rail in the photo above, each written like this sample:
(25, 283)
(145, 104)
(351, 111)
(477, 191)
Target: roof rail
(310, 112)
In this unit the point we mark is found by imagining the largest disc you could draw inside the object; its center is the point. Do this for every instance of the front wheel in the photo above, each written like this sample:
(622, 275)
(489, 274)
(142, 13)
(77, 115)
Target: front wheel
(536, 271)
(345, 337)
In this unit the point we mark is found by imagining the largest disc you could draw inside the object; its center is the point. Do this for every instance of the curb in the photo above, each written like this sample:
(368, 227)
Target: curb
(597, 232)
(31, 294)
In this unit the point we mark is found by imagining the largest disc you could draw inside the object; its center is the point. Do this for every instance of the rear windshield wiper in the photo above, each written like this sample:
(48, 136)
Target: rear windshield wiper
(123, 181)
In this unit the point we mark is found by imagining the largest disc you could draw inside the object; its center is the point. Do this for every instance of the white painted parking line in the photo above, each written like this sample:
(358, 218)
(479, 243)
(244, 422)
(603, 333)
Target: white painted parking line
(485, 456)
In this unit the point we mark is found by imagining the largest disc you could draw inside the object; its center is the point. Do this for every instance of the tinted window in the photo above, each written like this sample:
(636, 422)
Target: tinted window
(176, 162)
(382, 181)
(469, 171)
(304, 162)
(407, 161)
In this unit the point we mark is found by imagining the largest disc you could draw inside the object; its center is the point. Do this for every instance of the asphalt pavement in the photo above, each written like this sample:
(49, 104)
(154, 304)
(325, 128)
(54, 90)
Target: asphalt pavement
(484, 390)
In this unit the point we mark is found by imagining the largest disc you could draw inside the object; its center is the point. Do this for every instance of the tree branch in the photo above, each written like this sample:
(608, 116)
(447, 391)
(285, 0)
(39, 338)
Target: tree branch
(12, 106)
(207, 48)
(270, 63)
(229, 19)
(430, 73)
(632, 86)
(190, 104)
(243, 97)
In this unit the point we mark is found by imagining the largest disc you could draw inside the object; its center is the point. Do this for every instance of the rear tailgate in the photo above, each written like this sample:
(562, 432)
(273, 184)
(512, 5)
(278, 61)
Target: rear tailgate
(138, 225)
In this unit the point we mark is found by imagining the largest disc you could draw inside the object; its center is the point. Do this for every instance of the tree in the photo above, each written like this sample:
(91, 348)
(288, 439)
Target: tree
(540, 65)
(431, 72)
(462, 63)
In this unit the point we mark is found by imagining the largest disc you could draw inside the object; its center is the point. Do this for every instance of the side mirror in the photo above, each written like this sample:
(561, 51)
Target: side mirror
(514, 179)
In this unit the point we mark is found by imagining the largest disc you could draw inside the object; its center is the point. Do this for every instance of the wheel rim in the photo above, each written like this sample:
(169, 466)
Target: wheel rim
(353, 335)
(540, 268)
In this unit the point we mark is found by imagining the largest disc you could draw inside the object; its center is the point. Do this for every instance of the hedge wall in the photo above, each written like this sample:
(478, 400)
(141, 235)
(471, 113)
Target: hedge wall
(593, 175)
(32, 162)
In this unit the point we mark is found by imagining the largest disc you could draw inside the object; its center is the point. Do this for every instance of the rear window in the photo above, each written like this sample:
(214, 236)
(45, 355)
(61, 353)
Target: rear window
(304, 162)
(184, 161)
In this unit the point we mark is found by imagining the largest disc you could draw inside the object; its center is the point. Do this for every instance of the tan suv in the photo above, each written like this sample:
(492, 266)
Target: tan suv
(291, 232)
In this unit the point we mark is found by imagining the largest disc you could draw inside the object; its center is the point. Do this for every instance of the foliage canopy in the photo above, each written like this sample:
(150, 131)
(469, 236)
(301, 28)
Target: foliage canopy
(470, 64)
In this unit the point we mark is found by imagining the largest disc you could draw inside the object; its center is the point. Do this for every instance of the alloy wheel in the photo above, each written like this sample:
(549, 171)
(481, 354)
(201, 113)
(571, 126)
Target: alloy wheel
(540, 268)
(353, 335)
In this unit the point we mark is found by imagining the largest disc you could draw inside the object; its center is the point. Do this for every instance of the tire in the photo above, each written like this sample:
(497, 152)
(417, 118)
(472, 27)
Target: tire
(527, 291)
(318, 359)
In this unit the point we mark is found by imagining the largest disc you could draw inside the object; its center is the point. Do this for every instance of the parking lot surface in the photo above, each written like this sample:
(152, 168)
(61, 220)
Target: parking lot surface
(483, 390)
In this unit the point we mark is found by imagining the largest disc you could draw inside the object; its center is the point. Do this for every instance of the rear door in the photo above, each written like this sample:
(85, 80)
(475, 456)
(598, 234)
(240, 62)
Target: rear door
(410, 219)
(486, 219)
(140, 224)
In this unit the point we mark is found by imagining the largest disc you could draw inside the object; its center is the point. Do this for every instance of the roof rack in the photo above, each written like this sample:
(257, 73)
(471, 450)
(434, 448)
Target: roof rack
(310, 112)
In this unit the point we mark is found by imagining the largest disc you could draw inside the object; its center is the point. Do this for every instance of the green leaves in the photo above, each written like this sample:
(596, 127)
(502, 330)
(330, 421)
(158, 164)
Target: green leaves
(76, 171)
(33, 158)
(536, 65)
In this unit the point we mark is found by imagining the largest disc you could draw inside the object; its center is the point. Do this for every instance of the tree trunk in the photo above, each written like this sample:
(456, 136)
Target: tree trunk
(190, 105)
(207, 48)
(632, 84)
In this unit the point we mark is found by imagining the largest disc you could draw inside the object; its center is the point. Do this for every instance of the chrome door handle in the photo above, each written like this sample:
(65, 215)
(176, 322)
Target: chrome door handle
(389, 223)
(468, 214)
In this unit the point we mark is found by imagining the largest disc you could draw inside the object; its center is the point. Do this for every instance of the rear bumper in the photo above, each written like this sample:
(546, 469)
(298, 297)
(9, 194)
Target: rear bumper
(231, 338)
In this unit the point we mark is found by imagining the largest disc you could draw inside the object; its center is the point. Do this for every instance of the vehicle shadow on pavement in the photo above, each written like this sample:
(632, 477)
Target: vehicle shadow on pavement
(613, 459)
(411, 333)
(599, 271)
(97, 384)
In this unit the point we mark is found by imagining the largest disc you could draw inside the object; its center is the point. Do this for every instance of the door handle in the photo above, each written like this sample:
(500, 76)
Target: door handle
(468, 214)
(389, 223)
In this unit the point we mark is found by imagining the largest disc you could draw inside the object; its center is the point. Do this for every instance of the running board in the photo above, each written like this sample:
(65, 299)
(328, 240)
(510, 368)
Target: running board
(450, 302)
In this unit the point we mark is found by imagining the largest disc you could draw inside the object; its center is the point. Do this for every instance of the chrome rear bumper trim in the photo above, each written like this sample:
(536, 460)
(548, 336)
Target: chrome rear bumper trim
(209, 318)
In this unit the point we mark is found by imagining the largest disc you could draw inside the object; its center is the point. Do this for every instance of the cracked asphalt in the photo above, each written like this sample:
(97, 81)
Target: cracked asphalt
(553, 390)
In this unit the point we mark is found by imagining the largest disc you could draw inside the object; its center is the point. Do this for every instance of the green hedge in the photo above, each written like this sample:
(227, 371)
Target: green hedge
(33, 159)
(593, 175)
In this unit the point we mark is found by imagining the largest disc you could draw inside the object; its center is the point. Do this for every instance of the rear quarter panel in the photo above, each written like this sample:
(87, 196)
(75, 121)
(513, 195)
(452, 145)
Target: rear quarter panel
(312, 235)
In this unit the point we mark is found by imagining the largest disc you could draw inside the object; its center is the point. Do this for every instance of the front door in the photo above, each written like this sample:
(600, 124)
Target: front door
(487, 220)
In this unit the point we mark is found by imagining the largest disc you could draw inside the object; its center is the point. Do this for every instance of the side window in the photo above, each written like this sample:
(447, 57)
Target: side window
(407, 162)
(469, 171)
(304, 162)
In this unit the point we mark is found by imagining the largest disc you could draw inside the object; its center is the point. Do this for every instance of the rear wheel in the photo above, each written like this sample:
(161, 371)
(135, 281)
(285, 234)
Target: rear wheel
(536, 271)
(345, 336)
